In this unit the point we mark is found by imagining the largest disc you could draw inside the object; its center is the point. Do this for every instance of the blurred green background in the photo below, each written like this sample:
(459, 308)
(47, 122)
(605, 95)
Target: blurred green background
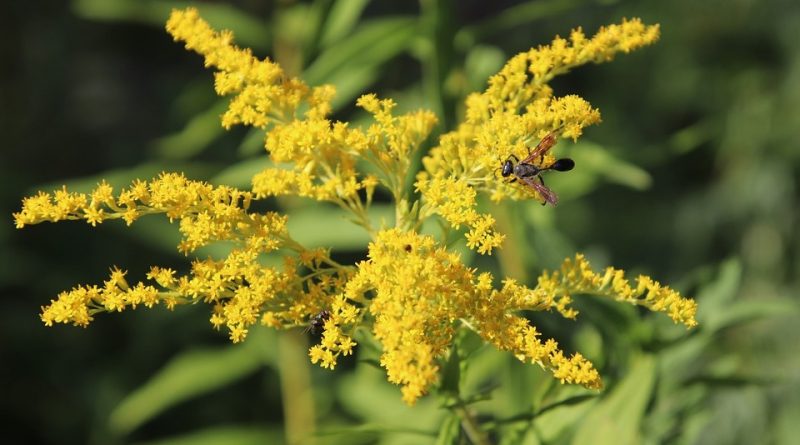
(691, 178)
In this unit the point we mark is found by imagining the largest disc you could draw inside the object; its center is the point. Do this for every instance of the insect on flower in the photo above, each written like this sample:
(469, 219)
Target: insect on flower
(527, 173)
(317, 322)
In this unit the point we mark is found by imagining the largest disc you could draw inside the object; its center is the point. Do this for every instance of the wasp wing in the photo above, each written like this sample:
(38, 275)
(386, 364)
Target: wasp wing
(548, 195)
(542, 148)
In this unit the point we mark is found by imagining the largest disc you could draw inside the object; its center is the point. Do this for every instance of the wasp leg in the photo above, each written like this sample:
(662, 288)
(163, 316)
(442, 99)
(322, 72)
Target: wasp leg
(542, 181)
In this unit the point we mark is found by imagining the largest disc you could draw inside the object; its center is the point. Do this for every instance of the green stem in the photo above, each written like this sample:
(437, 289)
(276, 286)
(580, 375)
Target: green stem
(471, 427)
(438, 62)
(509, 256)
(295, 377)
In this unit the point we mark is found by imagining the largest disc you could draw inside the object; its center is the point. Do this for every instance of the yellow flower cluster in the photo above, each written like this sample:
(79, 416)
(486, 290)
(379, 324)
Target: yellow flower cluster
(455, 201)
(523, 80)
(509, 118)
(421, 293)
(206, 213)
(80, 304)
(241, 289)
(263, 94)
(343, 318)
(322, 153)
(411, 290)
(577, 277)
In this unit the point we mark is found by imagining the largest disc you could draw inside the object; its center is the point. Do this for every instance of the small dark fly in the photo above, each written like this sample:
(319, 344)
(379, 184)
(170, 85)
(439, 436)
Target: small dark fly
(527, 173)
(317, 322)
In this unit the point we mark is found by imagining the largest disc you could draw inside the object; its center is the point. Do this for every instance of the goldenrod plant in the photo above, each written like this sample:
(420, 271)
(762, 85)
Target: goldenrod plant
(413, 292)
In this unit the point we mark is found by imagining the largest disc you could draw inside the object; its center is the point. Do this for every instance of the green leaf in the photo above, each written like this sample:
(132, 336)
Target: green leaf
(450, 431)
(240, 175)
(678, 362)
(569, 401)
(316, 14)
(372, 429)
(481, 62)
(249, 31)
(484, 368)
(616, 419)
(749, 310)
(190, 375)
(482, 395)
(253, 143)
(328, 226)
(682, 361)
(375, 363)
(731, 381)
(366, 395)
(195, 137)
(694, 136)
(530, 416)
(469, 342)
(351, 83)
(521, 14)
(599, 163)
(559, 421)
(153, 231)
(342, 17)
(370, 45)
(451, 376)
(228, 435)
(786, 427)
(718, 294)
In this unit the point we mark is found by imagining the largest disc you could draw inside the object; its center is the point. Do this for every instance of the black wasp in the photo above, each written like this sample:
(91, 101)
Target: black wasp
(527, 172)
(317, 322)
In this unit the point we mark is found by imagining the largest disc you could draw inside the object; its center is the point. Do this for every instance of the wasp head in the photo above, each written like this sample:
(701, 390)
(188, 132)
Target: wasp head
(508, 168)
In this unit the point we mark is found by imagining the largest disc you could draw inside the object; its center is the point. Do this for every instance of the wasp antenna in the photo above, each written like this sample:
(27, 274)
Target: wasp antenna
(494, 172)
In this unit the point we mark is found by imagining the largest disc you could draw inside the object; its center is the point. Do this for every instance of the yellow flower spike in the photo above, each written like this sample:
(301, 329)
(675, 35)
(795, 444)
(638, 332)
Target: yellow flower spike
(392, 140)
(240, 287)
(517, 110)
(77, 305)
(577, 277)
(421, 290)
(513, 333)
(323, 156)
(263, 95)
(416, 300)
(454, 201)
(323, 165)
(512, 89)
